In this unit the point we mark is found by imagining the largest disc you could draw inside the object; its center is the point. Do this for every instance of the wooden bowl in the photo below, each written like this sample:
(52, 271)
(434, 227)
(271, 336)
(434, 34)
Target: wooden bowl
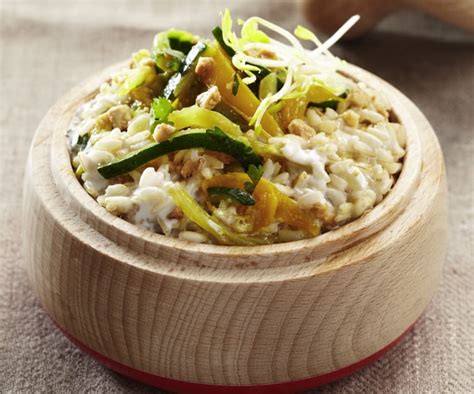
(200, 318)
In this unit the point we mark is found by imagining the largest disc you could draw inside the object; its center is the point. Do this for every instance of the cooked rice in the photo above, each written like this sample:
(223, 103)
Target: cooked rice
(339, 163)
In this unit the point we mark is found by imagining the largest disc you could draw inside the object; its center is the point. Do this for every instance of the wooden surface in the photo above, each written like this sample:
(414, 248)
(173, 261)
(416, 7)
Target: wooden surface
(232, 315)
(328, 16)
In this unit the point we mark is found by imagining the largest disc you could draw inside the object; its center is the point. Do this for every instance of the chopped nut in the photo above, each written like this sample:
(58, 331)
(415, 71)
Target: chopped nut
(301, 128)
(191, 167)
(342, 106)
(299, 180)
(177, 157)
(188, 169)
(119, 116)
(205, 70)
(263, 53)
(174, 167)
(225, 158)
(358, 97)
(351, 118)
(176, 213)
(201, 163)
(162, 132)
(103, 122)
(267, 54)
(213, 162)
(209, 99)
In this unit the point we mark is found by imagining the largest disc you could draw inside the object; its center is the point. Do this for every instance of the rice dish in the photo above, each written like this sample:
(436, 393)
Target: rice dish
(240, 140)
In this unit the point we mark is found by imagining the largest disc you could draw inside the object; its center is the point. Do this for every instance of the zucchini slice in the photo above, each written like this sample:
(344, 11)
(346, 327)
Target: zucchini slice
(214, 140)
(236, 194)
(180, 82)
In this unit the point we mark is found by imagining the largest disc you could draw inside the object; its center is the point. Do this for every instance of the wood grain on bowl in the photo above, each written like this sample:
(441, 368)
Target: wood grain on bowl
(224, 315)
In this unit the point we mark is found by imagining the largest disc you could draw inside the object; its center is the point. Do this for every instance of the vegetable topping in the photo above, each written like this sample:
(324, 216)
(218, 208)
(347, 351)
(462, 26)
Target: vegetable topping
(245, 139)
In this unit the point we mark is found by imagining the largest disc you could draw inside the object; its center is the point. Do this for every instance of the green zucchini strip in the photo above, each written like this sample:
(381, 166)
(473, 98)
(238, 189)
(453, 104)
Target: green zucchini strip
(196, 117)
(214, 140)
(217, 33)
(239, 195)
(178, 81)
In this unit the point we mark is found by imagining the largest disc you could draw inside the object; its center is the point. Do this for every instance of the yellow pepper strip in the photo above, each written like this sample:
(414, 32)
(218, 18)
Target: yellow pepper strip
(244, 102)
(232, 179)
(266, 202)
(289, 212)
(194, 212)
(196, 117)
(204, 119)
(270, 204)
(295, 108)
(266, 205)
(318, 94)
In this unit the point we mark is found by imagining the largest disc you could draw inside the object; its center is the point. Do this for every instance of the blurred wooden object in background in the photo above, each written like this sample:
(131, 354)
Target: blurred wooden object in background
(328, 16)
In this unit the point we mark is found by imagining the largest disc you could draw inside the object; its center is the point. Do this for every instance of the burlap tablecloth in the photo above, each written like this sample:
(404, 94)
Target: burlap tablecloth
(48, 46)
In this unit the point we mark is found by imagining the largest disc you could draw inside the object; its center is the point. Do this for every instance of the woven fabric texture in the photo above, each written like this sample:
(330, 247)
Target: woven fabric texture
(48, 46)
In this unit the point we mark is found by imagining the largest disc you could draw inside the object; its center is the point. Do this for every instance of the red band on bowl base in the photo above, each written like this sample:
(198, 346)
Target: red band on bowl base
(178, 386)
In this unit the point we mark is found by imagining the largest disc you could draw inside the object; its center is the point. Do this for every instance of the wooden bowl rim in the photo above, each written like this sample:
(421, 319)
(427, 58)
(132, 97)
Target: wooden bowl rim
(319, 247)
